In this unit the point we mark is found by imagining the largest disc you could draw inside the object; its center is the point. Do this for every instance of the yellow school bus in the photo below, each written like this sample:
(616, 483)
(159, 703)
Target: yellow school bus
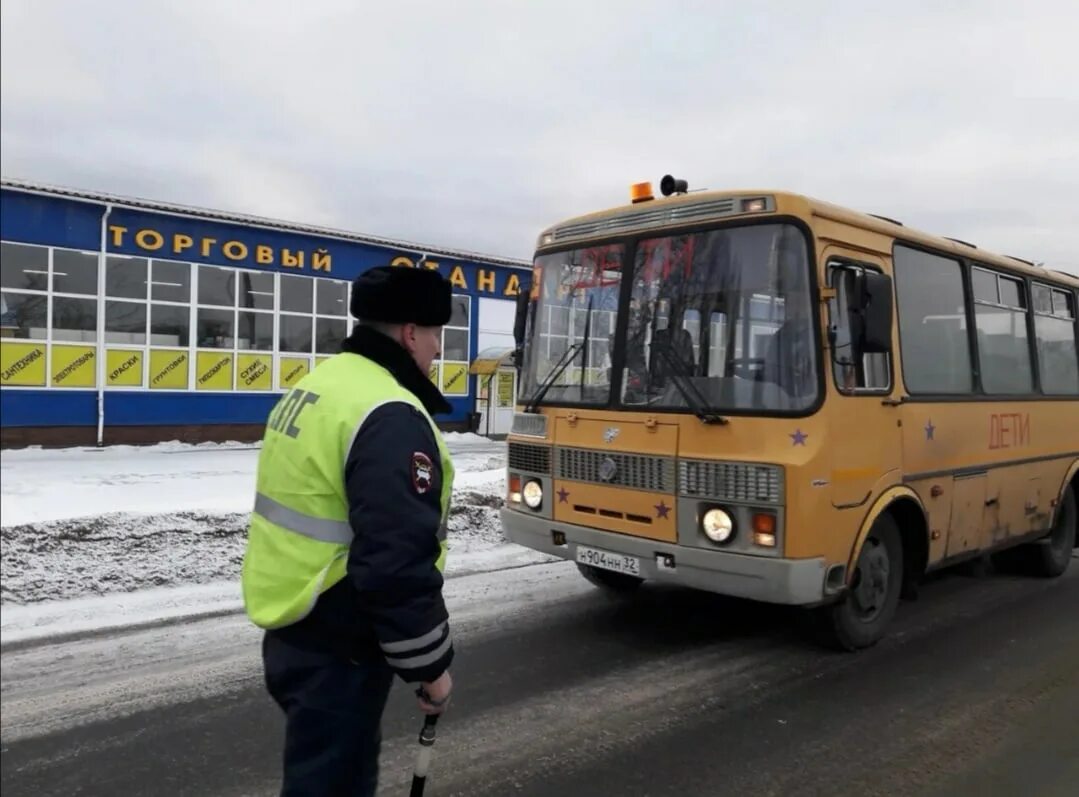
(763, 395)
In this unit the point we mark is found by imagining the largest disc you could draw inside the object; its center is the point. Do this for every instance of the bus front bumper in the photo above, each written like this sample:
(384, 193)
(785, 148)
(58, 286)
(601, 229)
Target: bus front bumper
(798, 582)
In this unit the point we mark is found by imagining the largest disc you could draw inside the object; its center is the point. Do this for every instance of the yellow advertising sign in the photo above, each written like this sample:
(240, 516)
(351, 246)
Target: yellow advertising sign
(74, 366)
(455, 379)
(505, 389)
(123, 368)
(254, 372)
(291, 370)
(22, 364)
(432, 373)
(320, 360)
(213, 370)
(168, 370)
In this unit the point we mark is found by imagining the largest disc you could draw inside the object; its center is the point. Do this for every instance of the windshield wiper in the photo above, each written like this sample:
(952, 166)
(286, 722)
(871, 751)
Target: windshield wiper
(694, 398)
(560, 366)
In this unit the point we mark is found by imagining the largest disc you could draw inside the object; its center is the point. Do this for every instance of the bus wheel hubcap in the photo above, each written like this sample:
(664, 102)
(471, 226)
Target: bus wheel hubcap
(871, 580)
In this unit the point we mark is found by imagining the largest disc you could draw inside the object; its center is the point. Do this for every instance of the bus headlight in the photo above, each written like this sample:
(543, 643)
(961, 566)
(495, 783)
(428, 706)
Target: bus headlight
(717, 525)
(532, 494)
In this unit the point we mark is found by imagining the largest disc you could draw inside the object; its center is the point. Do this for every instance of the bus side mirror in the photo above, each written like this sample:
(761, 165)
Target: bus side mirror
(520, 321)
(521, 315)
(871, 312)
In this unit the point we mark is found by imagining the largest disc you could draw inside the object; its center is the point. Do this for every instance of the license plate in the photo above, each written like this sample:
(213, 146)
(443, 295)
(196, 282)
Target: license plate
(605, 560)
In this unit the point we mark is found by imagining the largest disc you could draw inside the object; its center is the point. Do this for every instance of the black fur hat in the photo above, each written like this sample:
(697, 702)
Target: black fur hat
(401, 295)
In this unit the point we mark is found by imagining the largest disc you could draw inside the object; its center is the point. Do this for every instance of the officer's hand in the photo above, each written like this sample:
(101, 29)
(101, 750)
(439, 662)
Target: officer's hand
(436, 695)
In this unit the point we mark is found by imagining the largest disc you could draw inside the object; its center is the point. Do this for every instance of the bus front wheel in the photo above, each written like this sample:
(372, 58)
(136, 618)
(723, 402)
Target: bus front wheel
(862, 617)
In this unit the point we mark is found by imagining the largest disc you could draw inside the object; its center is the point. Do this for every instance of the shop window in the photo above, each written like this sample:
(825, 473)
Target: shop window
(23, 267)
(454, 379)
(74, 272)
(330, 333)
(217, 286)
(254, 331)
(170, 325)
(455, 344)
(125, 322)
(331, 297)
(23, 315)
(294, 334)
(170, 282)
(216, 328)
(74, 319)
(297, 294)
(459, 306)
(125, 277)
(455, 333)
(256, 290)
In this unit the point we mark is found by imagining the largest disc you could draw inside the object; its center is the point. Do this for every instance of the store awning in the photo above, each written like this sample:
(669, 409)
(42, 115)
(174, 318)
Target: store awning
(490, 360)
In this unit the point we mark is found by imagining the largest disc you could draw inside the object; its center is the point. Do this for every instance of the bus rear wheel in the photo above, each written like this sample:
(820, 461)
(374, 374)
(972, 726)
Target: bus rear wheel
(862, 617)
(619, 583)
(1050, 557)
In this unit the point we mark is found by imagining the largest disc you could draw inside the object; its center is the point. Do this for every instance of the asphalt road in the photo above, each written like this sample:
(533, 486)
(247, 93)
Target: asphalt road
(564, 692)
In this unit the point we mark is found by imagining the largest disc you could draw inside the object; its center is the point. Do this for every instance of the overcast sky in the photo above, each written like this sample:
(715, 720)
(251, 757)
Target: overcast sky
(474, 125)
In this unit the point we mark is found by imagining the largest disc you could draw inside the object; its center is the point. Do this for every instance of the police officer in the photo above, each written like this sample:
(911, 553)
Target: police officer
(346, 544)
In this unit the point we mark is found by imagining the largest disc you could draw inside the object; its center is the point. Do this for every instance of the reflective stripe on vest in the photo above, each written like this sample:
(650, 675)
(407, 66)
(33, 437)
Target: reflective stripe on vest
(338, 532)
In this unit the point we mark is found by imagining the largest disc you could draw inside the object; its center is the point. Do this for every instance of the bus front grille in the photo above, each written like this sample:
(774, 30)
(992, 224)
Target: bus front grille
(730, 481)
(530, 458)
(635, 471)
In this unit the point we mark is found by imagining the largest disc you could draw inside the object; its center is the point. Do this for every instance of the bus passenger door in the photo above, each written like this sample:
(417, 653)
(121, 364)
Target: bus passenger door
(864, 430)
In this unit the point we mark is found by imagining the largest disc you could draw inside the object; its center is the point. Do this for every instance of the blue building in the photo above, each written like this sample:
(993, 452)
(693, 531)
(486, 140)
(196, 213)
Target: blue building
(126, 320)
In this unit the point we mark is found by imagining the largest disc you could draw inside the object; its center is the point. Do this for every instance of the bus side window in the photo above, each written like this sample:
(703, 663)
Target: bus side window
(1054, 327)
(874, 372)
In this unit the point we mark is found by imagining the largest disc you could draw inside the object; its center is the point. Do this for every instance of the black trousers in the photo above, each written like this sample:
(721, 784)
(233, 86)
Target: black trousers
(333, 713)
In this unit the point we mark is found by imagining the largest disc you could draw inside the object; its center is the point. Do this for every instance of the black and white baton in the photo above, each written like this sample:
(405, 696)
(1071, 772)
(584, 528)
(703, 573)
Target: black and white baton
(423, 756)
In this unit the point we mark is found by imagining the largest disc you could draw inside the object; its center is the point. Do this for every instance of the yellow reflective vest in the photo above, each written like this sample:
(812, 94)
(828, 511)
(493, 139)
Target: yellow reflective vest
(299, 534)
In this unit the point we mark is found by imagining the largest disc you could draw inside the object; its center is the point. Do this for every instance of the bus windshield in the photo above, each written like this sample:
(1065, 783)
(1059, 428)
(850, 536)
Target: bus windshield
(725, 315)
(571, 325)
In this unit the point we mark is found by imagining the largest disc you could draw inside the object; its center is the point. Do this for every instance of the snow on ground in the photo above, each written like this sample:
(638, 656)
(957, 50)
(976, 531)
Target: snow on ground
(41, 485)
(96, 537)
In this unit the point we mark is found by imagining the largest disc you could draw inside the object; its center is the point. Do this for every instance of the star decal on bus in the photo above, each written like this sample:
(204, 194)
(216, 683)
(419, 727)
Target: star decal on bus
(798, 438)
(930, 429)
(563, 495)
(662, 510)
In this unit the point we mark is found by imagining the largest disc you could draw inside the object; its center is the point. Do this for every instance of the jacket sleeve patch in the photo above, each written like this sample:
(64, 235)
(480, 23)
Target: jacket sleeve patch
(422, 472)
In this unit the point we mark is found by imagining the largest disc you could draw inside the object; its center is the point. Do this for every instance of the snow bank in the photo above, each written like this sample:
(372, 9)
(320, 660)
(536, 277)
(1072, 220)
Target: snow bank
(81, 615)
(79, 523)
(124, 551)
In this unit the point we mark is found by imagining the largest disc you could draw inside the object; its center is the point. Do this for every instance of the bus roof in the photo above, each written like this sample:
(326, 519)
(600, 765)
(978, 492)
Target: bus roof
(703, 206)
